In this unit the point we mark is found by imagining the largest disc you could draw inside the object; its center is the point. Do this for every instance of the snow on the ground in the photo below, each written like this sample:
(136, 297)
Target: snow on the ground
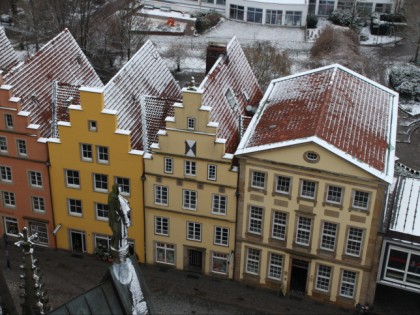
(168, 14)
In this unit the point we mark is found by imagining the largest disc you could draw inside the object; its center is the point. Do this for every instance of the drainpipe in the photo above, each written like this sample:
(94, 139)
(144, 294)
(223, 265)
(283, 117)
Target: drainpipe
(143, 179)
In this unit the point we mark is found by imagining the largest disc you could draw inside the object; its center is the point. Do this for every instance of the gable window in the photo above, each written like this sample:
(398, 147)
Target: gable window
(38, 204)
(283, 184)
(9, 199)
(303, 233)
(348, 283)
(165, 253)
(219, 204)
(124, 185)
(162, 226)
(190, 123)
(92, 125)
(255, 220)
(230, 97)
(3, 144)
(279, 225)
(161, 195)
(211, 172)
(189, 199)
(169, 165)
(354, 241)
(194, 231)
(334, 194)
(72, 179)
(258, 180)
(328, 236)
(361, 199)
(8, 121)
(21, 146)
(308, 189)
(275, 266)
(86, 152)
(74, 207)
(221, 236)
(101, 210)
(11, 226)
(102, 154)
(190, 168)
(6, 174)
(253, 261)
(35, 179)
(100, 182)
(323, 278)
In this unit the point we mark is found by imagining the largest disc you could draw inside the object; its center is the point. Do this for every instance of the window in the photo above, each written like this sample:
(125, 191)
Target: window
(219, 262)
(38, 204)
(21, 146)
(92, 125)
(383, 7)
(169, 165)
(161, 195)
(102, 154)
(326, 7)
(41, 230)
(219, 204)
(11, 226)
(236, 12)
(9, 199)
(100, 182)
(190, 168)
(293, 18)
(255, 220)
(101, 210)
(279, 225)
(190, 123)
(323, 278)
(308, 189)
(354, 241)
(86, 152)
(221, 236)
(3, 144)
(6, 174)
(102, 242)
(124, 185)
(211, 172)
(275, 266)
(334, 194)
(221, 2)
(345, 4)
(348, 283)
(35, 179)
(74, 207)
(360, 200)
(403, 266)
(194, 231)
(230, 97)
(283, 184)
(189, 199)
(364, 9)
(165, 253)
(254, 15)
(252, 261)
(274, 17)
(258, 180)
(162, 226)
(328, 236)
(311, 8)
(8, 121)
(72, 178)
(303, 233)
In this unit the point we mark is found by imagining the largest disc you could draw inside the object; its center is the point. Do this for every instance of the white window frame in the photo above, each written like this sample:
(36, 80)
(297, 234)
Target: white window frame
(275, 266)
(38, 204)
(13, 221)
(211, 172)
(190, 168)
(253, 257)
(71, 178)
(348, 282)
(102, 238)
(306, 189)
(102, 154)
(92, 125)
(162, 226)
(166, 248)
(279, 225)
(101, 211)
(354, 241)
(280, 184)
(189, 199)
(194, 231)
(9, 199)
(223, 258)
(75, 204)
(255, 220)
(21, 147)
(41, 229)
(303, 231)
(329, 236)
(258, 179)
(124, 185)
(334, 194)
(8, 121)
(323, 278)
(3, 145)
(98, 181)
(191, 123)
(168, 165)
(357, 204)
(219, 204)
(6, 174)
(161, 195)
(86, 152)
(35, 179)
(221, 235)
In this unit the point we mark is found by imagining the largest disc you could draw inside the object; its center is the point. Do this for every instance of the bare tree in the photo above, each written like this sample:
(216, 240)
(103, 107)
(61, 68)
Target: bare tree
(177, 53)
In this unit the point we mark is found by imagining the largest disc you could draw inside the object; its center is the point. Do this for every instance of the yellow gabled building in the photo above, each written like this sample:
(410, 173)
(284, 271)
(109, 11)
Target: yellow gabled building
(91, 155)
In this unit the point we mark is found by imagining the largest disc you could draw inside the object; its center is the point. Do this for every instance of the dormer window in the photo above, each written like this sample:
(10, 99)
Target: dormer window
(230, 98)
(92, 125)
(190, 123)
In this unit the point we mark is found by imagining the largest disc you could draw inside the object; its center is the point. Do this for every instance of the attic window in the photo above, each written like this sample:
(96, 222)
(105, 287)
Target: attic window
(311, 157)
(92, 125)
(230, 98)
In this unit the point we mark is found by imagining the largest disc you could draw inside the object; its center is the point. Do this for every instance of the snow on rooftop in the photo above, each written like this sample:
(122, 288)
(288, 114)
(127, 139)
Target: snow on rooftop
(8, 56)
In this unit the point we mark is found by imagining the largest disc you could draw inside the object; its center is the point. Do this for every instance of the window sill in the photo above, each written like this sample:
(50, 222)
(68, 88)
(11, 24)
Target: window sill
(282, 195)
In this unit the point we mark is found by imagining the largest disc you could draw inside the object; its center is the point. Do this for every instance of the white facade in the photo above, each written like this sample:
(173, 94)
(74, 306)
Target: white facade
(325, 7)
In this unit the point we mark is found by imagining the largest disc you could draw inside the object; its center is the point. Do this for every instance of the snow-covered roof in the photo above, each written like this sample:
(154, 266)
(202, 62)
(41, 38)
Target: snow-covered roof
(8, 56)
(231, 75)
(145, 74)
(336, 108)
(405, 215)
(61, 59)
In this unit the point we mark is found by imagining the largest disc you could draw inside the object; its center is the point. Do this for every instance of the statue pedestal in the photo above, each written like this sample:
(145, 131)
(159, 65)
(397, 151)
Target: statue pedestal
(119, 255)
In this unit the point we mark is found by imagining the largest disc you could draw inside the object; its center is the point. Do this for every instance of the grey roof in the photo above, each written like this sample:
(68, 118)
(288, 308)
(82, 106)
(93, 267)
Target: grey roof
(8, 56)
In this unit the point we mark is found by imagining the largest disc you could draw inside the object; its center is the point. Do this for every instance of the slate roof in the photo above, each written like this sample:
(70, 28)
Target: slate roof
(132, 91)
(334, 107)
(230, 72)
(61, 59)
(8, 56)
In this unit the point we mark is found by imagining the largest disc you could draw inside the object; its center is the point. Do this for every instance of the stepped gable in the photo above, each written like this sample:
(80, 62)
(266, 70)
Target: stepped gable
(333, 106)
(229, 88)
(61, 59)
(8, 56)
(130, 92)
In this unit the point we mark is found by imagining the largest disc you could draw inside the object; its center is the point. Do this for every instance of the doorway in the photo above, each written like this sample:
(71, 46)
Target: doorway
(78, 242)
(195, 260)
(299, 276)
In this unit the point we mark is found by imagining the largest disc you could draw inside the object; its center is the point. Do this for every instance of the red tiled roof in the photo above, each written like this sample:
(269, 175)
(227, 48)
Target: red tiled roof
(334, 104)
(8, 56)
(144, 74)
(230, 72)
(61, 59)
